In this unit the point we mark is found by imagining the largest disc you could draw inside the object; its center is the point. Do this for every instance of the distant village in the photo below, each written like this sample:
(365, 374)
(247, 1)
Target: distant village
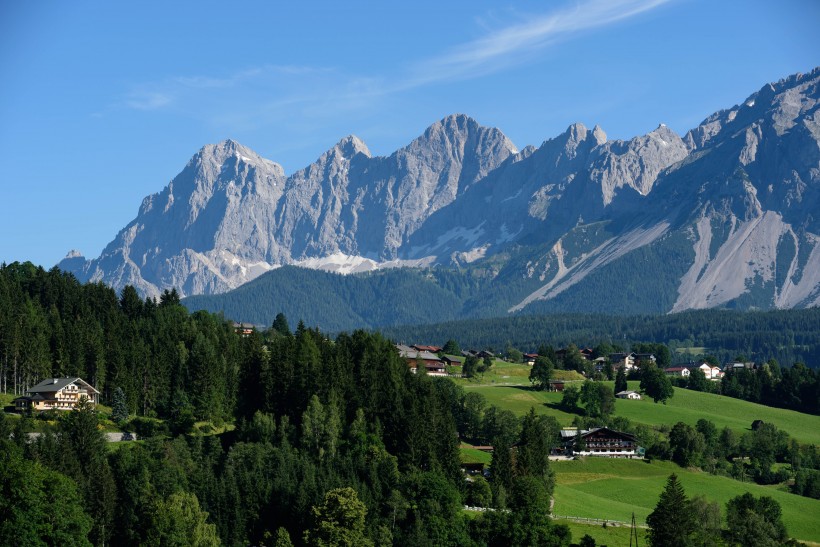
(599, 441)
(437, 363)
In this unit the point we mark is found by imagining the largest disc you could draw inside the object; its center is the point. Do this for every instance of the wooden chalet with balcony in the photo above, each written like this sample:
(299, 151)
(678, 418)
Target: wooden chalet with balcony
(57, 394)
(600, 442)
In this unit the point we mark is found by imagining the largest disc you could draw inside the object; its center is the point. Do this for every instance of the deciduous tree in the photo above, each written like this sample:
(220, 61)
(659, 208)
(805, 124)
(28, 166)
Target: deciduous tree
(541, 372)
(755, 522)
(656, 384)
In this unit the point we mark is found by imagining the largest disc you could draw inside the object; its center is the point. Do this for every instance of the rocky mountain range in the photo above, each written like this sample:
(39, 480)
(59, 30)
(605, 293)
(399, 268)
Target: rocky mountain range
(725, 216)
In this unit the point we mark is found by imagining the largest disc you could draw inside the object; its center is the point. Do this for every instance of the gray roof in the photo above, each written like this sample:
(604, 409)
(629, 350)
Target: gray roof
(50, 385)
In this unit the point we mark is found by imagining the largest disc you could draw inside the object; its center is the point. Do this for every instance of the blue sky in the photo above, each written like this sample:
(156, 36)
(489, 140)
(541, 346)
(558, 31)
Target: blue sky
(103, 103)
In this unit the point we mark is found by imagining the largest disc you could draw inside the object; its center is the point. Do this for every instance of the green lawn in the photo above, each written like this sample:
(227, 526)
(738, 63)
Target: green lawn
(614, 489)
(689, 406)
(613, 536)
(6, 399)
(503, 372)
(686, 406)
(471, 455)
(519, 399)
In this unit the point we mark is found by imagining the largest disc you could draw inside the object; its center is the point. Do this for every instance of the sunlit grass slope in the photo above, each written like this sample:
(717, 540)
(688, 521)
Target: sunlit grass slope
(614, 489)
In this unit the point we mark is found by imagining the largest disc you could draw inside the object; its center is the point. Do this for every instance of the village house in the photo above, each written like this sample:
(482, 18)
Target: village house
(709, 371)
(432, 364)
(737, 365)
(529, 358)
(600, 442)
(243, 329)
(625, 360)
(57, 394)
(628, 395)
(630, 360)
(645, 357)
(431, 349)
(677, 372)
(452, 361)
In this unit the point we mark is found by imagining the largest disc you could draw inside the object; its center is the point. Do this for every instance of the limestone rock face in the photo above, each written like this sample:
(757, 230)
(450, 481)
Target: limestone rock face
(735, 201)
(231, 215)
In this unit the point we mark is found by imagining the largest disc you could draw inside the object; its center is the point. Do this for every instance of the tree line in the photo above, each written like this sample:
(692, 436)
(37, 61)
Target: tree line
(789, 336)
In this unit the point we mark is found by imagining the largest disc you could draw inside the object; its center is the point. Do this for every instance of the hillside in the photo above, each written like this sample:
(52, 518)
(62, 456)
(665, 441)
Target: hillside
(614, 489)
(514, 393)
(336, 302)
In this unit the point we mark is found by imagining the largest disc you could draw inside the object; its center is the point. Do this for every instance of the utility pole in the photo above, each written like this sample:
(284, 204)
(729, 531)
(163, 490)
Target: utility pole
(633, 532)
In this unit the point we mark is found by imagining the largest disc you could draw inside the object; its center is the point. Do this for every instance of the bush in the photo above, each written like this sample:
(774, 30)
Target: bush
(148, 427)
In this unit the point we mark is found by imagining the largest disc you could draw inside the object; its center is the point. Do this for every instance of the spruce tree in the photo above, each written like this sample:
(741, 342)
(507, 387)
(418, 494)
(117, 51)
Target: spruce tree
(119, 406)
(280, 325)
(620, 380)
(671, 523)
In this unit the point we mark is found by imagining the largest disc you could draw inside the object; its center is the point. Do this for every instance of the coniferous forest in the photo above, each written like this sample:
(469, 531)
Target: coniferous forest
(335, 441)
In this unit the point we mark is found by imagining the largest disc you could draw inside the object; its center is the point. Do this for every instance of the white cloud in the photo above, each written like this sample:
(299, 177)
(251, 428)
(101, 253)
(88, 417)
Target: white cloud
(147, 100)
(286, 92)
(507, 46)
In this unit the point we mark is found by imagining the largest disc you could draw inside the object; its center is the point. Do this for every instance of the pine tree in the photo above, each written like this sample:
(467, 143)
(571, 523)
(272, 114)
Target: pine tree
(671, 523)
(620, 380)
(280, 325)
(119, 406)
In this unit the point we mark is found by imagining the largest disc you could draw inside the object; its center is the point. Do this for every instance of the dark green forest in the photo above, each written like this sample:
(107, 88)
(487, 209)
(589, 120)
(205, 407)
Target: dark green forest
(335, 302)
(789, 336)
(431, 305)
(335, 440)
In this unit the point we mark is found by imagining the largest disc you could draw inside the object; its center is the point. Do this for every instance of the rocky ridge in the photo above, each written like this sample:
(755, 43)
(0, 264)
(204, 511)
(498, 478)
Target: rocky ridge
(741, 189)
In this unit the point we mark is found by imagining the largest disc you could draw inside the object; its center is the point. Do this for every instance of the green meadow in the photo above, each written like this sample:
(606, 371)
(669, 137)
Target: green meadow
(610, 535)
(614, 489)
(690, 406)
(509, 388)
(471, 455)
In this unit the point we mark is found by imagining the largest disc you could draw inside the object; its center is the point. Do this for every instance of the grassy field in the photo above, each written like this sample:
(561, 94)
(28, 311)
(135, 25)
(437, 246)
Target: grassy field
(614, 536)
(614, 489)
(512, 391)
(471, 455)
(689, 406)
(6, 399)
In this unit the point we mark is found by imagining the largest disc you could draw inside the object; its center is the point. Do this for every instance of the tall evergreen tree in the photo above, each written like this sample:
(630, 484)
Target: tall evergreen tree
(620, 380)
(280, 325)
(119, 406)
(671, 523)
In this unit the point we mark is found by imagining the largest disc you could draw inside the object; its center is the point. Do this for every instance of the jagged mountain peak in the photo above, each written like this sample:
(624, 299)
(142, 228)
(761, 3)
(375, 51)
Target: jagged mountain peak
(461, 192)
(212, 157)
(460, 128)
(599, 134)
(777, 105)
(352, 145)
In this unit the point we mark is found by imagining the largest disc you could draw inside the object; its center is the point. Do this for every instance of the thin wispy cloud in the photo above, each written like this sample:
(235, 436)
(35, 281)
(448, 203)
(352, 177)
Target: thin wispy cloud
(510, 45)
(147, 100)
(284, 92)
